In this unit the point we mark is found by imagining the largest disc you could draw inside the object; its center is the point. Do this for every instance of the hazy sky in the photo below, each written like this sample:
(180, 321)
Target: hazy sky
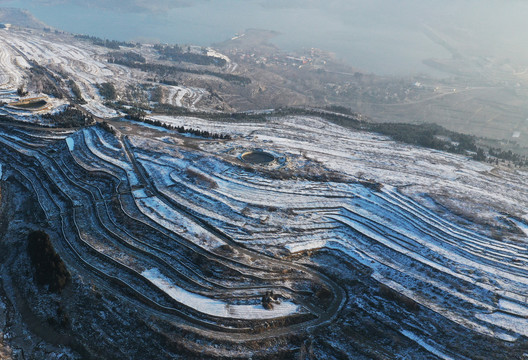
(382, 36)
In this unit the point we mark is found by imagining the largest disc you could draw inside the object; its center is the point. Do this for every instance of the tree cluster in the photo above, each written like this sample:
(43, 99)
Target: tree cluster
(42, 80)
(111, 44)
(21, 91)
(428, 135)
(508, 155)
(107, 90)
(176, 53)
(76, 92)
(71, 117)
(184, 130)
(107, 127)
(156, 94)
(49, 268)
(268, 299)
(126, 56)
(134, 114)
(436, 137)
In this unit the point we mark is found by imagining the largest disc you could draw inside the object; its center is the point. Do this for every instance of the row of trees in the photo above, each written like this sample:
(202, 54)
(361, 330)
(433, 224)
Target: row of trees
(182, 129)
(139, 113)
(111, 44)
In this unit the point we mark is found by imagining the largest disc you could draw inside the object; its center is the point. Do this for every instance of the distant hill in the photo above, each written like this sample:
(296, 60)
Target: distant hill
(250, 40)
(20, 17)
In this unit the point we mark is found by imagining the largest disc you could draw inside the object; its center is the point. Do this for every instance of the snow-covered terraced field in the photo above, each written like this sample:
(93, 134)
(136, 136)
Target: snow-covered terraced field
(80, 62)
(11, 67)
(184, 96)
(195, 232)
(344, 233)
(227, 288)
(453, 263)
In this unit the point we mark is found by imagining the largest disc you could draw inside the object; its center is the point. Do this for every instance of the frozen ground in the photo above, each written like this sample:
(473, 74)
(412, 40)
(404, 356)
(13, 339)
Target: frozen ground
(200, 238)
(75, 60)
(198, 231)
(433, 230)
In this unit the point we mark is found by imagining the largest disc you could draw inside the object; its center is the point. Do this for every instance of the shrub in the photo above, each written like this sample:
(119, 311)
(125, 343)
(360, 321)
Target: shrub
(107, 127)
(398, 298)
(49, 268)
(70, 117)
(107, 90)
(77, 92)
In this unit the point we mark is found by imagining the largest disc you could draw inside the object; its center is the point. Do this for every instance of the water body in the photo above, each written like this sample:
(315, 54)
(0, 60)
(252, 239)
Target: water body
(380, 36)
(258, 157)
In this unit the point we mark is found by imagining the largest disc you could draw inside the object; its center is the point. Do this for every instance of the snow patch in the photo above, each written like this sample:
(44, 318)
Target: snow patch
(513, 323)
(70, 142)
(216, 307)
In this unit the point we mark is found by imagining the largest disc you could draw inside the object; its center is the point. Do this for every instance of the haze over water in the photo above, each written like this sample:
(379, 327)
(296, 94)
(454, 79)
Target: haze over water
(380, 36)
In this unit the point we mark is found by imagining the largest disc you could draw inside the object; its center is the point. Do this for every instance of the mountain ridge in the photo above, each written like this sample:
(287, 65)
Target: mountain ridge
(20, 17)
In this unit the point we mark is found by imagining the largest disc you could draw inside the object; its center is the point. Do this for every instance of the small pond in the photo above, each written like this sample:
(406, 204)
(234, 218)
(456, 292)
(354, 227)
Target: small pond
(257, 157)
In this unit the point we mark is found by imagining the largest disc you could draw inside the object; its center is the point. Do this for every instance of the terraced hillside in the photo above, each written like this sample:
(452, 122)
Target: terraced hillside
(244, 235)
(427, 257)
(25, 53)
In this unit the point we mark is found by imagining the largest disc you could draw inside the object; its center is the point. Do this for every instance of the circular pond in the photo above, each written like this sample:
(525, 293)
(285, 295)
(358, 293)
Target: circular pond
(257, 157)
